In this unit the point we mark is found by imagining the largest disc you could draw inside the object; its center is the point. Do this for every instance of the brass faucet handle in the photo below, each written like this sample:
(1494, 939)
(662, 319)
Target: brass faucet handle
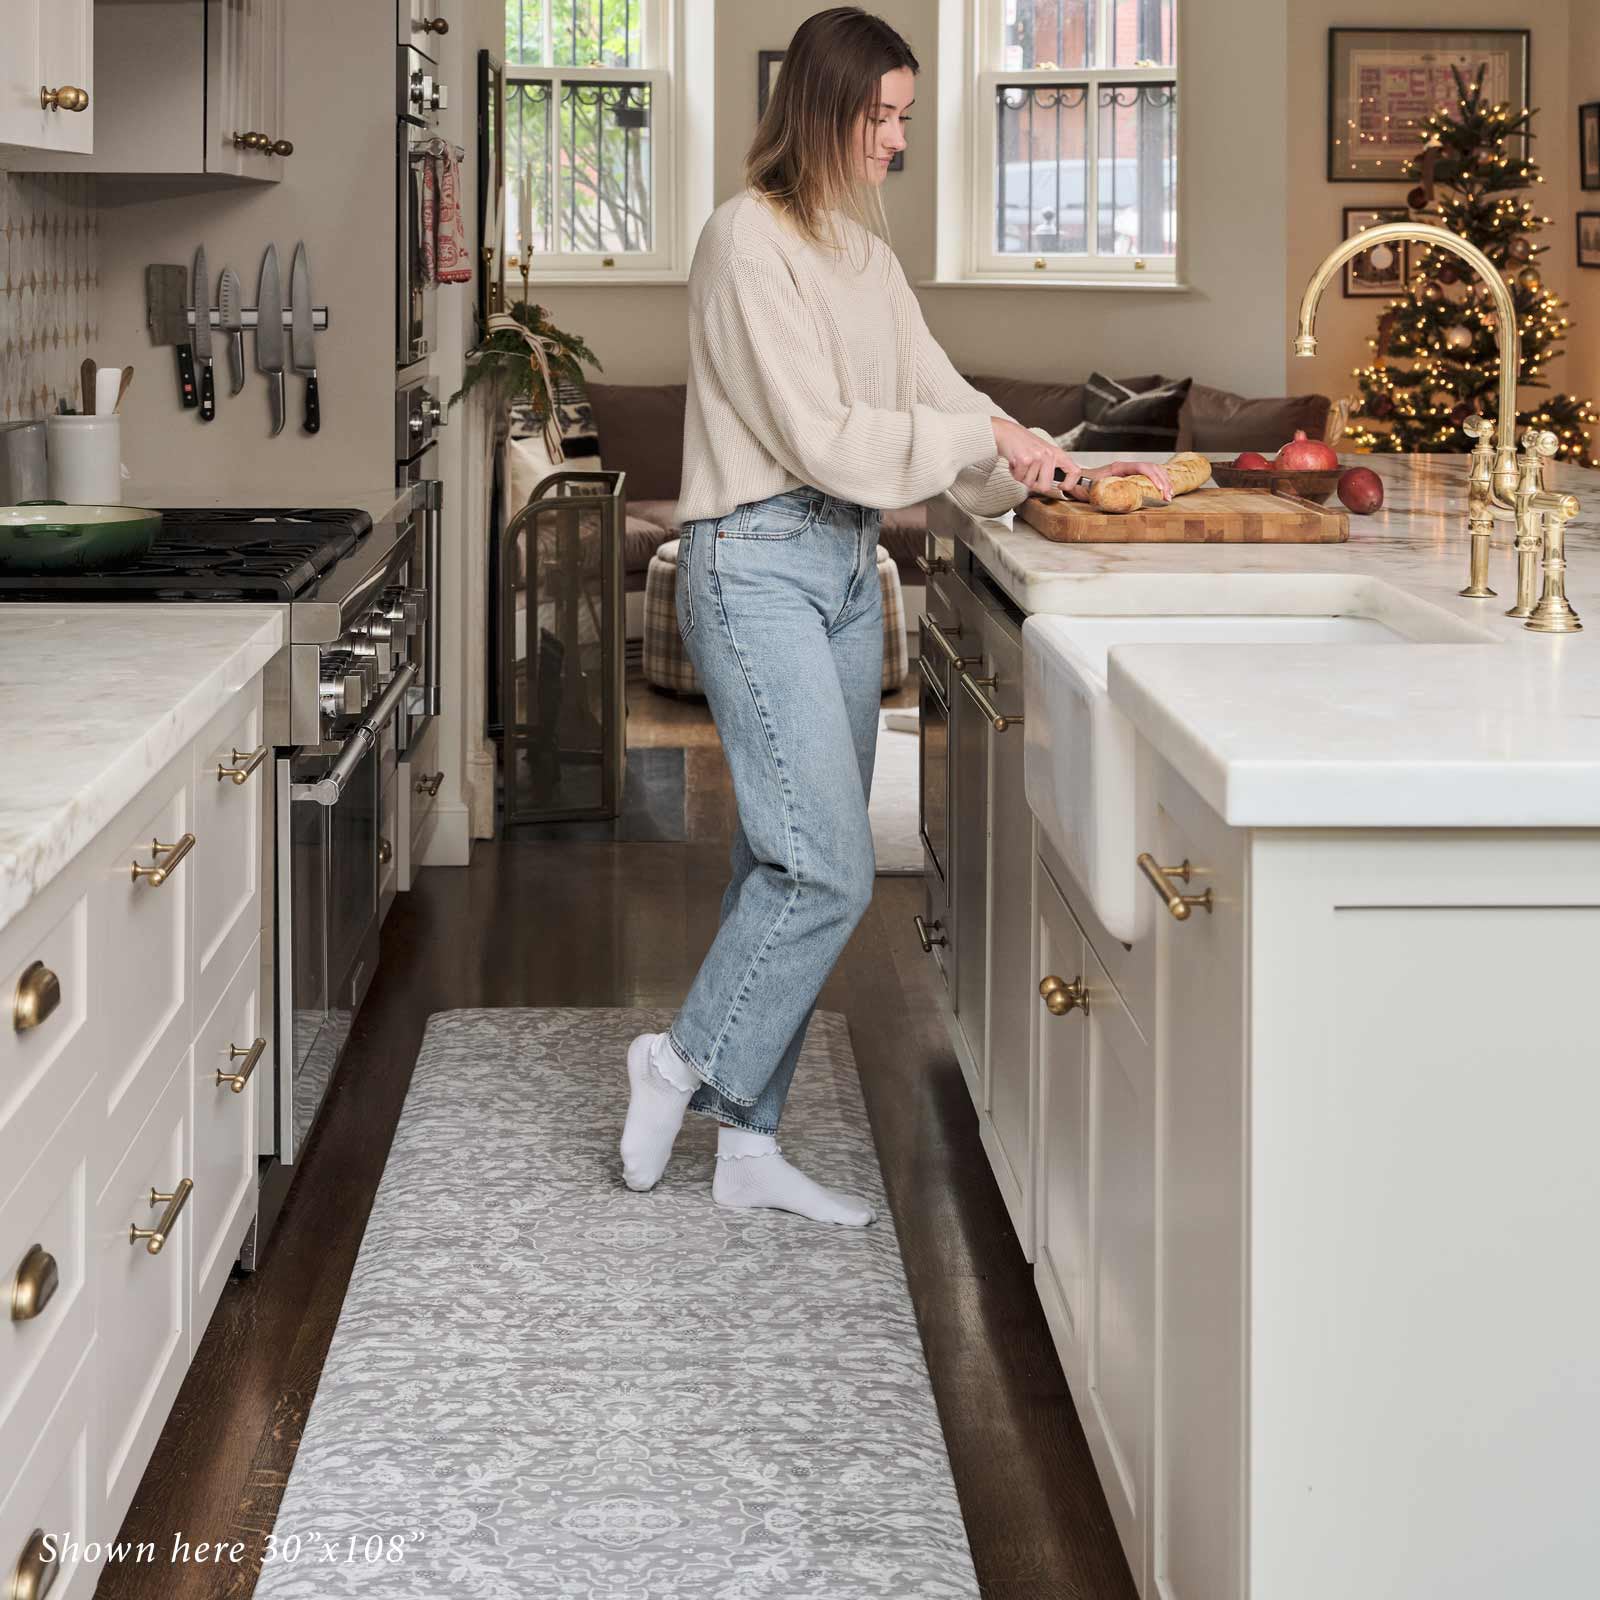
(1540, 442)
(1478, 427)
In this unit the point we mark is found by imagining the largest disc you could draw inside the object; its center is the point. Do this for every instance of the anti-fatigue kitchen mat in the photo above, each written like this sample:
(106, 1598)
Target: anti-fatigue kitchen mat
(542, 1383)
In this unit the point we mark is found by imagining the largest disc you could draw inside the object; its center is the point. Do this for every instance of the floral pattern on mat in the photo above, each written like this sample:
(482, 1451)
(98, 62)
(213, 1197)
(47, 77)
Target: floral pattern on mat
(569, 1389)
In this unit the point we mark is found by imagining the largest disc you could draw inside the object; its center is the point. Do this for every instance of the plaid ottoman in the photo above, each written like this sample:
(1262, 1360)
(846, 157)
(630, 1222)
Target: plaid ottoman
(666, 661)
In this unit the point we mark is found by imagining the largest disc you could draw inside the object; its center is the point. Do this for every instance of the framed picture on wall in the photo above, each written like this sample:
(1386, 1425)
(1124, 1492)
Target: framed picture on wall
(1589, 145)
(1382, 270)
(767, 64)
(491, 188)
(1384, 83)
(1589, 238)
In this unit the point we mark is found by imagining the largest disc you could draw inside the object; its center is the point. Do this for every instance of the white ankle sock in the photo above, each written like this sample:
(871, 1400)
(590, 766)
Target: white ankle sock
(670, 1064)
(751, 1171)
(656, 1104)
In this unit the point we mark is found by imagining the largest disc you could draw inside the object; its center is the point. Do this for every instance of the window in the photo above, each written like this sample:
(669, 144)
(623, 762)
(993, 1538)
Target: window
(1073, 128)
(593, 156)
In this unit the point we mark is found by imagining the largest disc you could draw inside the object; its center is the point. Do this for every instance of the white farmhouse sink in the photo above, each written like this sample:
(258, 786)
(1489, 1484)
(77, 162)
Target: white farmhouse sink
(1083, 778)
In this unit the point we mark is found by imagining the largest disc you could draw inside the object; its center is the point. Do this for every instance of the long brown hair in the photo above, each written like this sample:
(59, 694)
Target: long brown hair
(803, 159)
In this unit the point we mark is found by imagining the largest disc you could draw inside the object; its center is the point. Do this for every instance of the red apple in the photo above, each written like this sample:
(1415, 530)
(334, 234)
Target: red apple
(1361, 489)
(1251, 462)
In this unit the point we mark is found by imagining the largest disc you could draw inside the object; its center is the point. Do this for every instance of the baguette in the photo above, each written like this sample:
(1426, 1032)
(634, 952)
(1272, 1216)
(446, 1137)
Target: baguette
(1187, 471)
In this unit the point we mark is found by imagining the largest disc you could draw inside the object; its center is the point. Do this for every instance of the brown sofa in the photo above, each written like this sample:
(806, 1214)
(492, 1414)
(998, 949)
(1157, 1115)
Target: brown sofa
(640, 427)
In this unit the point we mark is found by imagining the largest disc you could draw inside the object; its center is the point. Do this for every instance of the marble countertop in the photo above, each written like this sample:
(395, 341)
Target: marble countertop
(378, 503)
(1504, 733)
(95, 700)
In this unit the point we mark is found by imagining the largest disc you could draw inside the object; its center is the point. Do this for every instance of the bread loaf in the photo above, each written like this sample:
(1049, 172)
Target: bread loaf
(1188, 471)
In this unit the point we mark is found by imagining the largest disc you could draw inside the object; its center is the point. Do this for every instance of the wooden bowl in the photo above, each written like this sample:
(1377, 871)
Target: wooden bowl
(1313, 486)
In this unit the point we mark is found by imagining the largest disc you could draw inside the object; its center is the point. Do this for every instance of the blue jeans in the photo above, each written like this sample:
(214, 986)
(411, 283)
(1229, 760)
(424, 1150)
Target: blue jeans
(781, 612)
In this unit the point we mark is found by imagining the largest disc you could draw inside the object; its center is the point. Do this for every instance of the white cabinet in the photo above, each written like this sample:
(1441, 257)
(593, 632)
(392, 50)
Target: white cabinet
(969, 805)
(417, 779)
(186, 87)
(47, 83)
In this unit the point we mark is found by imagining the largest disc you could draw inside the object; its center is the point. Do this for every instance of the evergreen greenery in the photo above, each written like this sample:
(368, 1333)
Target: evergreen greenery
(1436, 357)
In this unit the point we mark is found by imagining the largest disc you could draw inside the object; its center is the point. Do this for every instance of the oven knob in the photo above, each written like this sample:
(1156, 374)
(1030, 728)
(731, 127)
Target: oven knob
(343, 694)
(402, 614)
(440, 98)
(376, 626)
(432, 410)
(417, 424)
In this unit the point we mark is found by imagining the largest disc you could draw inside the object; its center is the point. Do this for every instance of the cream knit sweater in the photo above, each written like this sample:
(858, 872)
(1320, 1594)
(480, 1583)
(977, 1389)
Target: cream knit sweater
(805, 370)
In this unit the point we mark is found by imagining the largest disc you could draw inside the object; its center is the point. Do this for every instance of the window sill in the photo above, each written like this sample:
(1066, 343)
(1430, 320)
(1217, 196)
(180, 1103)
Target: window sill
(1125, 285)
(589, 280)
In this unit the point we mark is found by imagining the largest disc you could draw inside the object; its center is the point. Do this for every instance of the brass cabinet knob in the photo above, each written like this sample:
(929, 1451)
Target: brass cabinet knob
(244, 763)
(1160, 879)
(38, 993)
(925, 934)
(429, 785)
(433, 25)
(34, 1285)
(1060, 998)
(173, 854)
(385, 852)
(237, 1080)
(282, 147)
(174, 1202)
(35, 1571)
(251, 141)
(66, 98)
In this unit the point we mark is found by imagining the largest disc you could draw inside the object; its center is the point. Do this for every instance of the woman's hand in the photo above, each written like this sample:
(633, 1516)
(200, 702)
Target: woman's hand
(1033, 460)
(1130, 469)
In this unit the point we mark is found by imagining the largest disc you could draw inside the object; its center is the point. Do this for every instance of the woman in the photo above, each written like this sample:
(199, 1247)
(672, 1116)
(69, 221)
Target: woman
(817, 396)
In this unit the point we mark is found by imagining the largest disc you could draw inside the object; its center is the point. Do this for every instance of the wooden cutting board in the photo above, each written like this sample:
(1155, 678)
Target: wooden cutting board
(1206, 516)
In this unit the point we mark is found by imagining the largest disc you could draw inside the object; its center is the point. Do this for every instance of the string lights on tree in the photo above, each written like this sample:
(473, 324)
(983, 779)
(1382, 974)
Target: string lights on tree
(1435, 355)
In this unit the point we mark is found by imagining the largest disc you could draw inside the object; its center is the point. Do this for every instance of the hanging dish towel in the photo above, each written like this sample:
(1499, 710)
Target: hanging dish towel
(428, 219)
(451, 261)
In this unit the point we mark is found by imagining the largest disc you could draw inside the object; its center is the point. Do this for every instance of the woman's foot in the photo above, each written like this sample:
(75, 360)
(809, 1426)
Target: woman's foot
(751, 1171)
(660, 1087)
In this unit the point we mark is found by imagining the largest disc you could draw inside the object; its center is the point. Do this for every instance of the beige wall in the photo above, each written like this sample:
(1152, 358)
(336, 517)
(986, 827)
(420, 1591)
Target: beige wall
(1316, 207)
(1226, 330)
(1582, 287)
(338, 195)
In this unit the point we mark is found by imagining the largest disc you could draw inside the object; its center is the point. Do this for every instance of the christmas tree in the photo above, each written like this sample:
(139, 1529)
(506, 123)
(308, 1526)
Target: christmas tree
(1437, 360)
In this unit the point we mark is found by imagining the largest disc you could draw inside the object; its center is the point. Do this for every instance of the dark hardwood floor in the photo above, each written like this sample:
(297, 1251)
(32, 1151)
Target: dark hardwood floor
(602, 924)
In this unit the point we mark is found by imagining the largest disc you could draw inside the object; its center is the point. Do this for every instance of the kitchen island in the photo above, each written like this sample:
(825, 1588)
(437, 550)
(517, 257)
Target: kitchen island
(1266, 964)
(136, 923)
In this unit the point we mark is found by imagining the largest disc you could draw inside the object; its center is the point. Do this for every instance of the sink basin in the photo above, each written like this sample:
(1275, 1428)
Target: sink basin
(1083, 774)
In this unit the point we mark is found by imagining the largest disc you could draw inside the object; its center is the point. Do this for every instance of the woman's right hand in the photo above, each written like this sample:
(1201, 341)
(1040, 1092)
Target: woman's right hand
(1033, 460)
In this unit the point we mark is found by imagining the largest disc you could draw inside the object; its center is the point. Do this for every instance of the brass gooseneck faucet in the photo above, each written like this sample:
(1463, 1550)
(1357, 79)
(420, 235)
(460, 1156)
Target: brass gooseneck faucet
(1497, 485)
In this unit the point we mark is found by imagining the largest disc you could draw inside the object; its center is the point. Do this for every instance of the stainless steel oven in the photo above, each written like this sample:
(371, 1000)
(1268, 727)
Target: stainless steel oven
(419, 98)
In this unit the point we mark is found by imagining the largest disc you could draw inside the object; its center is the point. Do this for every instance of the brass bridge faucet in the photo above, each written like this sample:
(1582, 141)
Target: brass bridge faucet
(1497, 485)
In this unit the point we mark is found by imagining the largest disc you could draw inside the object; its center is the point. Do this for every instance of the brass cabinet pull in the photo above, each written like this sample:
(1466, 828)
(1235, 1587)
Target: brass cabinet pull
(251, 141)
(282, 147)
(429, 786)
(35, 1572)
(385, 852)
(928, 568)
(1060, 998)
(433, 25)
(240, 1078)
(243, 764)
(1179, 904)
(38, 993)
(34, 1285)
(925, 934)
(998, 720)
(174, 853)
(66, 98)
(937, 634)
(174, 1202)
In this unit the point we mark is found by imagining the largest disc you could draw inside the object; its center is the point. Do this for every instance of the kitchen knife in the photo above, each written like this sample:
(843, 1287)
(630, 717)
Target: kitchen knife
(230, 318)
(202, 337)
(269, 332)
(166, 289)
(303, 339)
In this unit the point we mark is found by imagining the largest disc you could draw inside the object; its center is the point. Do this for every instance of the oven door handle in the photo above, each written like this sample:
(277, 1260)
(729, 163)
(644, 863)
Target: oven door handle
(329, 788)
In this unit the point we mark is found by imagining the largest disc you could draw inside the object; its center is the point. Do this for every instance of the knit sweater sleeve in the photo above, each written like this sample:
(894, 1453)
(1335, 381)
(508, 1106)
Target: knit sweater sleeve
(762, 342)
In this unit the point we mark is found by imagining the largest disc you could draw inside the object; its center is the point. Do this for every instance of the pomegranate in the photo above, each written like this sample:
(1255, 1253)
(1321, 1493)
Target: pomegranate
(1251, 462)
(1361, 489)
(1306, 455)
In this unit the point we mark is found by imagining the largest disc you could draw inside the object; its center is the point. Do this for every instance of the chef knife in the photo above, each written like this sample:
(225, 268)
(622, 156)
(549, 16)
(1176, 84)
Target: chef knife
(269, 332)
(303, 339)
(166, 290)
(230, 318)
(202, 337)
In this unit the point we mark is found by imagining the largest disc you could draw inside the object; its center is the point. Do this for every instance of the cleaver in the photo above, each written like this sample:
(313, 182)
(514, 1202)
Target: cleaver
(166, 290)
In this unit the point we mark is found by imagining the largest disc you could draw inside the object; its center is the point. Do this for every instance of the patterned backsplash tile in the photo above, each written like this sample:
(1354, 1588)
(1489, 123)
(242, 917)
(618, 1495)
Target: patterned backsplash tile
(49, 289)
